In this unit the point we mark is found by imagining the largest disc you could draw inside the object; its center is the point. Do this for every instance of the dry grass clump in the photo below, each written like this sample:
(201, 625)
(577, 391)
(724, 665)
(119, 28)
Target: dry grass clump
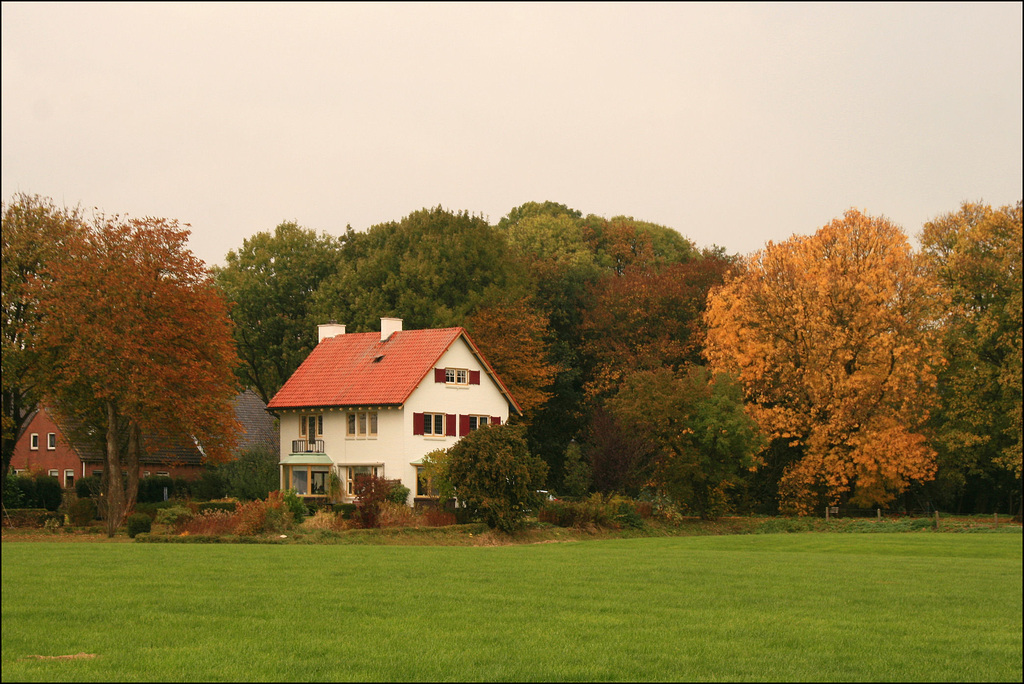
(325, 520)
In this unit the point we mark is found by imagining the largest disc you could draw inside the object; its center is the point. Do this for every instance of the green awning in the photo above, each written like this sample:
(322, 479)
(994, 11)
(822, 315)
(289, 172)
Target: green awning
(307, 459)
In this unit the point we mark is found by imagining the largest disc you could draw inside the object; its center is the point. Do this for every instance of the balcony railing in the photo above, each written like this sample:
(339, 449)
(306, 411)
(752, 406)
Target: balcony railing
(304, 446)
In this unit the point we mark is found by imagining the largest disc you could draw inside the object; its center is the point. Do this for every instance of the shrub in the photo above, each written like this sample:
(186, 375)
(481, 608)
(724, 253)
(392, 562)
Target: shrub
(229, 506)
(138, 522)
(82, 512)
(294, 505)
(49, 493)
(90, 486)
(372, 492)
(393, 514)
(495, 475)
(211, 522)
(172, 515)
(151, 489)
(323, 520)
(210, 485)
(346, 510)
(436, 517)
(19, 491)
(399, 493)
(251, 476)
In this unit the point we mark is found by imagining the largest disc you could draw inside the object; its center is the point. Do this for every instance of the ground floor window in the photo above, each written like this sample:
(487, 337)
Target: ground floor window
(69, 478)
(352, 472)
(306, 480)
(53, 473)
(424, 487)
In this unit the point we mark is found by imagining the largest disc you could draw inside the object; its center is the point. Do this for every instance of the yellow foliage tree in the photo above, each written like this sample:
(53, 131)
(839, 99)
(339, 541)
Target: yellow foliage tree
(833, 337)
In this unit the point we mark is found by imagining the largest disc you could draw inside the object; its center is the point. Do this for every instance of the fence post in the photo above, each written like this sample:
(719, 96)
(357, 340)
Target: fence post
(879, 511)
(826, 512)
(936, 519)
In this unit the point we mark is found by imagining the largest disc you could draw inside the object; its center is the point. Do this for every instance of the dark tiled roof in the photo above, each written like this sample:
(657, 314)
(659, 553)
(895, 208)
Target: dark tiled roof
(258, 426)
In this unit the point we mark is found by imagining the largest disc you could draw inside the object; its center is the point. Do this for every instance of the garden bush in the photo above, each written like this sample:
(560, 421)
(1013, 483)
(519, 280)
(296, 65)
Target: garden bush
(19, 492)
(82, 512)
(399, 493)
(151, 489)
(229, 506)
(49, 493)
(138, 522)
(88, 486)
(346, 510)
(173, 515)
(372, 492)
(294, 504)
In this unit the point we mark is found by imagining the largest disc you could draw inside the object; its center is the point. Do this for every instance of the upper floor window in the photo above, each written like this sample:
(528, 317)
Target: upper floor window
(361, 424)
(311, 427)
(33, 441)
(51, 440)
(456, 376)
(433, 423)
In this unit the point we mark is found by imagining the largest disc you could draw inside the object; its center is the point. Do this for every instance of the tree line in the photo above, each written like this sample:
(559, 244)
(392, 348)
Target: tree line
(839, 368)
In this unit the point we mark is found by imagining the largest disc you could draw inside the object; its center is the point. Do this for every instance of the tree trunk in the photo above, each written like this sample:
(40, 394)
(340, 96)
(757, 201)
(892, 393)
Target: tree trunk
(134, 446)
(112, 466)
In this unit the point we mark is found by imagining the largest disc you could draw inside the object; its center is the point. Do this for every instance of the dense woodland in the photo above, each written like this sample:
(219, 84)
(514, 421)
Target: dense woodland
(838, 368)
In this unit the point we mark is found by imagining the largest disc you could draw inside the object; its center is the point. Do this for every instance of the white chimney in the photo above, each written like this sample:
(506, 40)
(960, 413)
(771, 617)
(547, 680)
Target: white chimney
(388, 326)
(329, 330)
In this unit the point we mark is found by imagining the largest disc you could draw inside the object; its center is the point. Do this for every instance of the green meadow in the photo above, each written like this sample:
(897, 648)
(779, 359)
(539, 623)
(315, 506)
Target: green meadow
(780, 607)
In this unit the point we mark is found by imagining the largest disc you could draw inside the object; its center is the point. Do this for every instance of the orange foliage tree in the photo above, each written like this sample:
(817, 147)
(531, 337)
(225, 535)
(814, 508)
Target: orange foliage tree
(513, 338)
(834, 338)
(135, 339)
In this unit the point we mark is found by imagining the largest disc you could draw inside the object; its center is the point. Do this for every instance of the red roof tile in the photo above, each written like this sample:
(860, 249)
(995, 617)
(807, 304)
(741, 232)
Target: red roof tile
(359, 369)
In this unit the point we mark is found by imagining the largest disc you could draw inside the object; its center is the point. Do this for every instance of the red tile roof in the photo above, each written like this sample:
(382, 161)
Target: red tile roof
(358, 369)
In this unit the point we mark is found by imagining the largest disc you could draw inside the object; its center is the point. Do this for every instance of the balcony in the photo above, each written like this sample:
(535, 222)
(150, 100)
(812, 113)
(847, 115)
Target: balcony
(303, 446)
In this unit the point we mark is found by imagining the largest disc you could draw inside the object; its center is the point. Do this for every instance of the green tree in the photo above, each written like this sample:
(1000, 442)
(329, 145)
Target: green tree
(252, 475)
(34, 230)
(976, 255)
(706, 439)
(432, 269)
(495, 477)
(270, 282)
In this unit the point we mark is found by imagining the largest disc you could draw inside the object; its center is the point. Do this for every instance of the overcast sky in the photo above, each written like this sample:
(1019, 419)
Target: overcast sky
(734, 124)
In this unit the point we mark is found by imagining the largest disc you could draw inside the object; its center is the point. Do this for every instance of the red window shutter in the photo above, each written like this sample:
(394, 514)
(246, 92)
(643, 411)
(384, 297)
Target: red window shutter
(474, 377)
(417, 423)
(439, 375)
(495, 420)
(449, 425)
(463, 426)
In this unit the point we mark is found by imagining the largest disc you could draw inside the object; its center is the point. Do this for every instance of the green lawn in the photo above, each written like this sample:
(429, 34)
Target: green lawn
(798, 607)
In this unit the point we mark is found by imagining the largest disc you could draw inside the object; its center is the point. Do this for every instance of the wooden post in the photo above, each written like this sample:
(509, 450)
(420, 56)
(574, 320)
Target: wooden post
(879, 511)
(826, 512)
(936, 520)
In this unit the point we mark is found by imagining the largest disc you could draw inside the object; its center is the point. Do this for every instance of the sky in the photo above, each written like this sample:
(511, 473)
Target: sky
(734, 124)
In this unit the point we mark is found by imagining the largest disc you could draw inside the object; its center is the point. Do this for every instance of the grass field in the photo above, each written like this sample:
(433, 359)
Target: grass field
(796, 607)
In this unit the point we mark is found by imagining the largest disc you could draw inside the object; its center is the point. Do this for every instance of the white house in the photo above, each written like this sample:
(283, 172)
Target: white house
(365, 403)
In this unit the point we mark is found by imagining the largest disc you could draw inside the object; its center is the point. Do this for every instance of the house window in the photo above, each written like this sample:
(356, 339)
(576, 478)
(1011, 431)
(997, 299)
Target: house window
(456, 376)
(145, 474)
(69, 479)
(424, 487)
(433, 423)
(54, 473)
(97, 473)
(162, 473)
(306, 480)
(51, 440)
(311, 427)
(478, 422)
(33, 441)
(352, 472)
(362, 424)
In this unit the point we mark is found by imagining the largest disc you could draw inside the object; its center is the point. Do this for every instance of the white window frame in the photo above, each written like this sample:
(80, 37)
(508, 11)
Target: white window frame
(51, 441)
(456, 376)
(53, 472)
(33, 441)
(69, 473)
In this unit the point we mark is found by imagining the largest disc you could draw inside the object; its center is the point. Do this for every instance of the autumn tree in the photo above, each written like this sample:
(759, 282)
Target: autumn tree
(270, 282)
(34, 230)
(705, 440)
(833, 338)
(135, 338)
(512, 337)
(647, 317)
(976, 255)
